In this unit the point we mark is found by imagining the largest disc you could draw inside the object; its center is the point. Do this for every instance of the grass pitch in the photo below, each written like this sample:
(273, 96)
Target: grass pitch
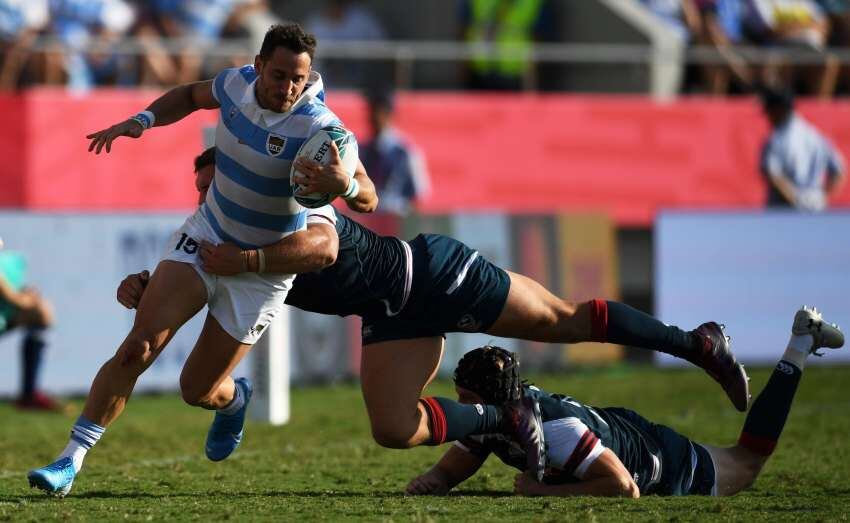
(323, 465)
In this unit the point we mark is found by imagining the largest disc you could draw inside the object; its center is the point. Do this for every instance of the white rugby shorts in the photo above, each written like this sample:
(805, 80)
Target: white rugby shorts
(244, 304)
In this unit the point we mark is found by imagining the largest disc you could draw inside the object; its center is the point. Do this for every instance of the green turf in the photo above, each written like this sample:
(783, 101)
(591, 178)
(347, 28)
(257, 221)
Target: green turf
(324, 466)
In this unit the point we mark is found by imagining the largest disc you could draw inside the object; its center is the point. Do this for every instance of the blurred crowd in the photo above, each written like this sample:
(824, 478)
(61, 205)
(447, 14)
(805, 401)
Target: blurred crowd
(803, 28)
(86, 43)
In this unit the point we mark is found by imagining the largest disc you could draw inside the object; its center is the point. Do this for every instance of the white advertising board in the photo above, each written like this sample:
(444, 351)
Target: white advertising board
(77, 262)
(752, 271)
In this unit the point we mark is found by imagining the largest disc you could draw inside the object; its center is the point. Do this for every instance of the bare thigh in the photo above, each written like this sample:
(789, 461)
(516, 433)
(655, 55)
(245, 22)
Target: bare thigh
(393, 375)
(531, 312)
(735, 468)
(205, 380)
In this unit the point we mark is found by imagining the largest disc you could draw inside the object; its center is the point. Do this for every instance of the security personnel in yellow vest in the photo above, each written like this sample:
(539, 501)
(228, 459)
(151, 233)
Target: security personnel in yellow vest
(511, 27)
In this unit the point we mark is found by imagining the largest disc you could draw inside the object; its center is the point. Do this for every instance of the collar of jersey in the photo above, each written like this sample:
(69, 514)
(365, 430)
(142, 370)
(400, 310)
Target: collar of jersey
(311, 91)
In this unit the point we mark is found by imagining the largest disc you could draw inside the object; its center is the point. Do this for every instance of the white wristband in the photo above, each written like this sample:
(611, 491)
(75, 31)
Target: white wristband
(145, 118)
(353, 189)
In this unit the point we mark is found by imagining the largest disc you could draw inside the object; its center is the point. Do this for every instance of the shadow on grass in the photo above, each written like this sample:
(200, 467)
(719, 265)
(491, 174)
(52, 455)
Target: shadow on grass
(107, 494)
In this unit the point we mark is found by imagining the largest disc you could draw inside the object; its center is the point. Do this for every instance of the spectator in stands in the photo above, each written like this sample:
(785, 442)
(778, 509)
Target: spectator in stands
(838, 13)
(88, 29)
(722, 27)
(680, 16)
(340, 21)
(803, 169)
(393, 162)
(199, 22)
(20, 23)
(23, 307)
(796, 25)
(511, 27)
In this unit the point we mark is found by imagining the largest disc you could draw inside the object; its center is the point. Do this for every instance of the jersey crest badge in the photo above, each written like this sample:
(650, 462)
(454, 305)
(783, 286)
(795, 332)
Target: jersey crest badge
(275, 144)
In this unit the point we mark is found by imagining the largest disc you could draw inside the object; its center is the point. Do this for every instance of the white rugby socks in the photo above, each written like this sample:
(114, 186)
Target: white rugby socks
(84, 435)
(235, 404)
(799, 348)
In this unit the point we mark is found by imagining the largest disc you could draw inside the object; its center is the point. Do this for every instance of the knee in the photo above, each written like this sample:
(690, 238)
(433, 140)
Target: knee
(44, 314)
(138, 349)
(394, 436)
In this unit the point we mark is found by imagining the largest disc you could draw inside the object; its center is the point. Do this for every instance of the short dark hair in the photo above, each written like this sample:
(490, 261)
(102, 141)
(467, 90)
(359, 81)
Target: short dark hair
(205, 158)
(291, 36)
(492, 373)
(380, 99)
(776, 98)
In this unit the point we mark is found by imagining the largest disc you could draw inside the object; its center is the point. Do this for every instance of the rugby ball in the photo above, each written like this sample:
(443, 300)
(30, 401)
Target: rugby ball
(318, 149)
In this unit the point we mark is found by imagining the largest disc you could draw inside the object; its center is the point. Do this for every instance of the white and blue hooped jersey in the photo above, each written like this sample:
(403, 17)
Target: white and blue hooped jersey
(250, 201)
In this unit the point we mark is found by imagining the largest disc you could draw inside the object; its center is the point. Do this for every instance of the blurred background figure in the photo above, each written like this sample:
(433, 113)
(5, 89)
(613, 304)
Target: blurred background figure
(88, 31)
(680, 16)
(798, 25)
(511, 27)
(838, 13)
(199, 23)
(340, 21)
(21, 21)
(395, 164)
(803, 169)
(23, 307)
(722, 27)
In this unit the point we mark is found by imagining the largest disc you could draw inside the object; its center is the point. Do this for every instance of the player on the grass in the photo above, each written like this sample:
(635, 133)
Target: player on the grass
(411, 294)
(595, 451)
(266, 111)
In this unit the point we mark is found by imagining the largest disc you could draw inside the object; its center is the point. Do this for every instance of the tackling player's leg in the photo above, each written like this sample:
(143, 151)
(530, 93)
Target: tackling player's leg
(738, 467)
(160, 313)
(393, 376)
(532, 312)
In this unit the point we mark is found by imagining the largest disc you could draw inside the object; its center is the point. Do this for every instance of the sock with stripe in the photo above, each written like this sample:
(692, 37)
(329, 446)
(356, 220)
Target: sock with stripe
(450, 420)
(235, 404)
(615, 322)
(769, 412)
(84, 435)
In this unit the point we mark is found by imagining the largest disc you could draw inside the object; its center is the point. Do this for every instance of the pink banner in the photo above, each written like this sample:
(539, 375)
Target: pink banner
(627, 156)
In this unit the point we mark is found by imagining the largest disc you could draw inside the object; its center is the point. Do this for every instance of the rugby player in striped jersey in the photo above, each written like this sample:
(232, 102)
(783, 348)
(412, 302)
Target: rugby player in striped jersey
(608, 451)
(266, 111)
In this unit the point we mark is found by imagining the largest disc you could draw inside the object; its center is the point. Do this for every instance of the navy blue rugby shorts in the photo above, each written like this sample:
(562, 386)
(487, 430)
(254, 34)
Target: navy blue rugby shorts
(454, 289)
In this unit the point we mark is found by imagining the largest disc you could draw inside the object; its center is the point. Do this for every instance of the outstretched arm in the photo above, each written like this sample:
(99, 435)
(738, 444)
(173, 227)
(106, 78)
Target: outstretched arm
(305, 251)
(455, 467)
(607, 476)
(171, 107)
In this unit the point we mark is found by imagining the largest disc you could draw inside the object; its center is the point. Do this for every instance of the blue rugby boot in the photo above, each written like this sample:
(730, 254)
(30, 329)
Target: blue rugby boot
(56, 478)
(226, 431)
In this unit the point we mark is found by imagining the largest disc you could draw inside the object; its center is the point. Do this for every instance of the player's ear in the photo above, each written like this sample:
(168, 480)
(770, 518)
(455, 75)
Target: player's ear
(258, 64)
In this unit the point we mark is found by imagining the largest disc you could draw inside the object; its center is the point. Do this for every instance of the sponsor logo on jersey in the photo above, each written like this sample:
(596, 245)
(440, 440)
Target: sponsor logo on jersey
(785, 368)
(257, 329)
(275, 144)
(468, 323)
(480, 408)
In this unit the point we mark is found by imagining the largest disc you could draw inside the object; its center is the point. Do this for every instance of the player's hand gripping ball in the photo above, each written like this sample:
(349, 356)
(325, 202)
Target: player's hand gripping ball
(318, 149)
